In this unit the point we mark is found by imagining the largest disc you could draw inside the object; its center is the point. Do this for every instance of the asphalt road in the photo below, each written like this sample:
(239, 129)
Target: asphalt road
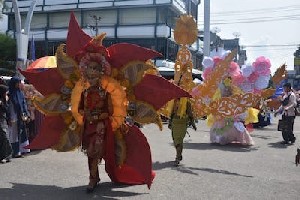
(266, 170)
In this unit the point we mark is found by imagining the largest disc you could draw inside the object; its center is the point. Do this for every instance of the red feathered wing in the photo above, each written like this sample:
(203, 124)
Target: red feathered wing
(123, 53)
(157, 91)
(76, 38)
(46, 82)
(49, 133)
(137, 168)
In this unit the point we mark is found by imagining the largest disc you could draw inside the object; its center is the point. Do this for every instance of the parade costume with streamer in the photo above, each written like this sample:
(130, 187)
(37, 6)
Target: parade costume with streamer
(228, 95)
(85, 103)
(180, 110)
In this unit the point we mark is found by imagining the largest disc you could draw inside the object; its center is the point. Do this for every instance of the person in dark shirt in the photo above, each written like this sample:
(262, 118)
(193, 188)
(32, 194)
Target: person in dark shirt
(5, 147)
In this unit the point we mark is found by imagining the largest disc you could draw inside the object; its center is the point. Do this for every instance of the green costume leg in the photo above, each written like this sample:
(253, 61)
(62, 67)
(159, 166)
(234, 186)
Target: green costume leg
(179, 128)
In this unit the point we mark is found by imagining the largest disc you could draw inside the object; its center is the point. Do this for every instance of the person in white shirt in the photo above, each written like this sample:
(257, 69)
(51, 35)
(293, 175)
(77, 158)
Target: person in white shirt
(287, 108)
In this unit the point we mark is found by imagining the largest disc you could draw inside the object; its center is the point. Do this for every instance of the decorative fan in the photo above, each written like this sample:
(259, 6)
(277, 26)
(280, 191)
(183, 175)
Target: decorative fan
(279, 75)
(186, 31)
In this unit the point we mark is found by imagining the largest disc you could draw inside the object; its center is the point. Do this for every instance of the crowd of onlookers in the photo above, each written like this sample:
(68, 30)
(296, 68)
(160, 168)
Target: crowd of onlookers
(19, 120)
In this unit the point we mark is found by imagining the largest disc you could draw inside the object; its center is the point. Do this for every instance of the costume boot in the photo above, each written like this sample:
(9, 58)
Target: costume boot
(179, 148)
(94, 174)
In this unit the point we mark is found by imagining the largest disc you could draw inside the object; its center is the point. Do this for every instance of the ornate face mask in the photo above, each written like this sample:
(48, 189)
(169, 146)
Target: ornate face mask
(93, 72)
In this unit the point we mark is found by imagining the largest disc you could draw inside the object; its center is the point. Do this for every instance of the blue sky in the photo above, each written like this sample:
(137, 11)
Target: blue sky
(269, 28)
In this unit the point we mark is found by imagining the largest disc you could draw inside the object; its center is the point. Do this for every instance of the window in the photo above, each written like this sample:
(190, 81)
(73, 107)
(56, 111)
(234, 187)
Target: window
(106, 18)
(61, 19)
(38, 21)
(137, 16)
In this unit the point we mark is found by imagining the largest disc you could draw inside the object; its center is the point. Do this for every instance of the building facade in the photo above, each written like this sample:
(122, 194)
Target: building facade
(296, 79)
(148, 23)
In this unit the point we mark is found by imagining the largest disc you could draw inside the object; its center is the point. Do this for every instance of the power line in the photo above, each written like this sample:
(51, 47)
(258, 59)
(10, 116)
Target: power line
(258, 18)
(271, 49)
(221, 18)
(273, 45)
(253, 21)
(263, 10)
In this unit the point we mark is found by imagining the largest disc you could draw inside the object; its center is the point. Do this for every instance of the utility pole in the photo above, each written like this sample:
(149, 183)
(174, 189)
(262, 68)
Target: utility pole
(22, 34)
(206, 44)
(96, 20)
(237, 40)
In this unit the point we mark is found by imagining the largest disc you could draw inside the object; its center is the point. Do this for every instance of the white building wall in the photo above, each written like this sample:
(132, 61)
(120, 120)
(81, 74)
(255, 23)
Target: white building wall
(123, 32)
(96, 5)
(60, 7)
(133, 2)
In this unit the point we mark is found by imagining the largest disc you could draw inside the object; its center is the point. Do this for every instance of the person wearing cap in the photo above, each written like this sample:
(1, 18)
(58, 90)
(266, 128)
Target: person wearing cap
(287, 108)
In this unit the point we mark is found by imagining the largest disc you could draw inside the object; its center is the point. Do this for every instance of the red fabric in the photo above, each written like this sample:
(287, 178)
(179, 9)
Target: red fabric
(76, 38)
(137, 168)
(109, 157)
(49, 133)
(249, 127)
(122, 53)
(157, 91)
(46, 82)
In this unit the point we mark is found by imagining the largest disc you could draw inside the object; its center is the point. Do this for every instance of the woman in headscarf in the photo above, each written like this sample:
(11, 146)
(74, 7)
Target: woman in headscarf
(19, 116)
(5, 148)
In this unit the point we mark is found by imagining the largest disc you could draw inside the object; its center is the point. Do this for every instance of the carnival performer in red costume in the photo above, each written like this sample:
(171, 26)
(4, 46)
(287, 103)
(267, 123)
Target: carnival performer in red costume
(86, 104)
(96, 109)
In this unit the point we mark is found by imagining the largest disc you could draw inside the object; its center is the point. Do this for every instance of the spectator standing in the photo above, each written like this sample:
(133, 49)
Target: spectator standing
(5, 147)
(18, 118)
(287, 108)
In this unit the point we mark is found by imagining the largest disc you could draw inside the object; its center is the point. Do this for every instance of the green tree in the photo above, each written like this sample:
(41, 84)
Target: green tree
(8, 49)
(1, 6)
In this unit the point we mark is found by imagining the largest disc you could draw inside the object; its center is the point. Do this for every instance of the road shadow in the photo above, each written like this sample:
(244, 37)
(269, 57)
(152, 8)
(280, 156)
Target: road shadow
(268, 128)
(49, 192)
(264, 137)
(192, 170)
(234, 147)
(34, 152)
(278, 145)
(162, 165)
(219, 171)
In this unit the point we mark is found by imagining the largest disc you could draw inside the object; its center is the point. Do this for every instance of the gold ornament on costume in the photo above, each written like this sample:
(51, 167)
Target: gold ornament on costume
(211, 84)
(71, 137)
(273, 103)
(129, 76)
(183, 69)
(186, 31)
(134, 71)
(266, 93)
(52, 104)
(146, 114)
(98, 39)
(233, 105)
(118, 97)
(279, 75)
(65, 64)
(185, 34)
